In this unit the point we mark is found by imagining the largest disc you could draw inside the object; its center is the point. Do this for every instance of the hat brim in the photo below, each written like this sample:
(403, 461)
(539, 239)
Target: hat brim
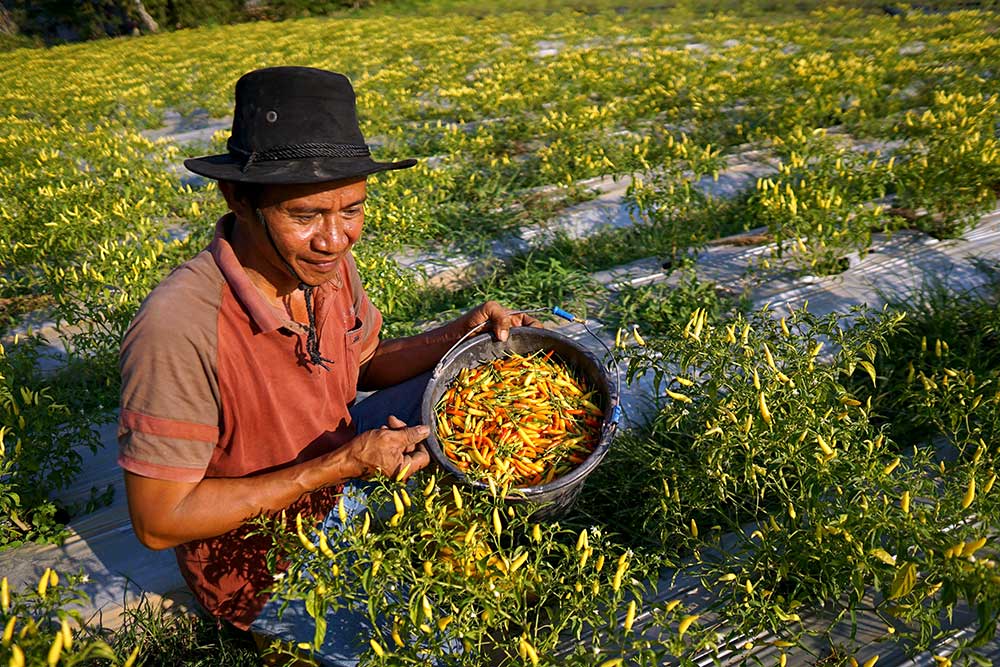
(290, 172)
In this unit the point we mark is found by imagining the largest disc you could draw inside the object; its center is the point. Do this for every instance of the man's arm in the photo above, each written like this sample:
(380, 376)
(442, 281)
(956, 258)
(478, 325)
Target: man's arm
(167, 513)
(400, 359)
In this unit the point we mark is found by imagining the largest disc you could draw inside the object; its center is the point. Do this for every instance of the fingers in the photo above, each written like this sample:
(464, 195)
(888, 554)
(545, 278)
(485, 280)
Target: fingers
(525, 320)
(415, 461)
(415, 434)
(394, 423)
(498, 317)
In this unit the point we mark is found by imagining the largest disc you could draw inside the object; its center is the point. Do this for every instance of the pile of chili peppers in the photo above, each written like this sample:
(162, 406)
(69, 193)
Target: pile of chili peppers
(522, 420)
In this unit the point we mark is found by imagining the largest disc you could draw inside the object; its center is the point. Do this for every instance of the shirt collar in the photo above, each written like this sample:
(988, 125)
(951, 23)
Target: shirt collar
(263, 315)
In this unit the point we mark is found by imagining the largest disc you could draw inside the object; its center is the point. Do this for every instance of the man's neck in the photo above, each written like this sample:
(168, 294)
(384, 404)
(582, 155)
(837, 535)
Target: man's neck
(274, 282)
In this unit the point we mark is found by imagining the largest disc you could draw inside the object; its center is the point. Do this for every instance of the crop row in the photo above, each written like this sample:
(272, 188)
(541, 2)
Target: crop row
(510, 112)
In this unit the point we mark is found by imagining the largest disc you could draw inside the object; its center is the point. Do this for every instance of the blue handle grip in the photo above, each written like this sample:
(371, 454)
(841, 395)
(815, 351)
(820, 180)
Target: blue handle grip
(616, 414)
(556, 310)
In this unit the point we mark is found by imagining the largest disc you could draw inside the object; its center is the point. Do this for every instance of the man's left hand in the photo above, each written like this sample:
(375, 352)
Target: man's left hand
(499, 318)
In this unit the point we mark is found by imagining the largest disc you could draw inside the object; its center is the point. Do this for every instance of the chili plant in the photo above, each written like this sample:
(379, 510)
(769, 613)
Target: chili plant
(461, 578)
(765, 475)
(820, 205)
(40, 626)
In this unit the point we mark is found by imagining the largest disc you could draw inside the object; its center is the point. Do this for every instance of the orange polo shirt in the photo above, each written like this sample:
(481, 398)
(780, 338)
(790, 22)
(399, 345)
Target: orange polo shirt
(215, 383)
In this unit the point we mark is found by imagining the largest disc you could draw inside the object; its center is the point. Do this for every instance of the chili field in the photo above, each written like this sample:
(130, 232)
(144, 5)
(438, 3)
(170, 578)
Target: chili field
(792, 473)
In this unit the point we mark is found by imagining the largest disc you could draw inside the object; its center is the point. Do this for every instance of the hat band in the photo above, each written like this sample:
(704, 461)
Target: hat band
(297, 152)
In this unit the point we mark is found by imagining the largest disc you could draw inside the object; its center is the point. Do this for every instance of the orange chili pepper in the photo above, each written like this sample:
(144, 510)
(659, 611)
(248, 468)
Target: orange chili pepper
(526, 419)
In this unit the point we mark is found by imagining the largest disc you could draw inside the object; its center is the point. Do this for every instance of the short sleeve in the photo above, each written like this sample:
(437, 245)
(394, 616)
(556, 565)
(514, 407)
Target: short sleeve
(365, 310)
(170, 408)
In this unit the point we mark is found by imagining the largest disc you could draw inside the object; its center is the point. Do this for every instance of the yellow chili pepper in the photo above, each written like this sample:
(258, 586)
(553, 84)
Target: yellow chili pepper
(43, 583)
(379, 651)
(635, 334)
(629, 616)
(764, 412)
(518, 562)
(395, 634)
(324, 546)
(497, 525)
(16, 656)
(67, 634)
(686, 623)
(458, 496)
(970, 493)
(4, 595)
(989, 483)
(616, 582)
(972, 547)
(678, 397)
(904, 502)
(769, 358)
(8, 630)
(55, 651)
(892, 466)
(341, 510)
(530, 652)
(306, 542)
(581, 541)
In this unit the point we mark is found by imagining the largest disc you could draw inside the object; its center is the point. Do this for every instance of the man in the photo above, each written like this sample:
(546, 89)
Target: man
(240, 370)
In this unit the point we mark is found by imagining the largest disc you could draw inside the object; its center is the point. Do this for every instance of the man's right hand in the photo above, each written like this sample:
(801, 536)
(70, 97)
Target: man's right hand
(390, 449)
(167, 513)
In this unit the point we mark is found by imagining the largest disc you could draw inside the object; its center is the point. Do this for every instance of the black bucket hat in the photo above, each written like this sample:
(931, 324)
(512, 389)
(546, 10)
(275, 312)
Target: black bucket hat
(293, 125)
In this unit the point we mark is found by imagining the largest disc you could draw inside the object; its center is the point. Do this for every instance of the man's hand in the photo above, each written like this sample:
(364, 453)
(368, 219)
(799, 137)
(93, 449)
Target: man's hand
(165, 513)
(499, 318)
(400, 359)
(390, 449)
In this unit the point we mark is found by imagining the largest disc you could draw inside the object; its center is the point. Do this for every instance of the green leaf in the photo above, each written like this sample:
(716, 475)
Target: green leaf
(883, 556)
(320, 633)
(869, 368)
(904, 581)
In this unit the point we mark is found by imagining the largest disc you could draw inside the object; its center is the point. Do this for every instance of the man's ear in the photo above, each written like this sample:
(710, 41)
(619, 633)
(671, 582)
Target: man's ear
(228, 190)
(236, 204)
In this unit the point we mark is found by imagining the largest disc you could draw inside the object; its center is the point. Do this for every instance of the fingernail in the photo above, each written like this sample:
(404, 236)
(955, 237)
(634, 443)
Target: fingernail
(424, 431)
(502, 335)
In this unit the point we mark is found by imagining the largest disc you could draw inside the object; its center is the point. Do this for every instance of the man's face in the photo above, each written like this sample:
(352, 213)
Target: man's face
(314, 226)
